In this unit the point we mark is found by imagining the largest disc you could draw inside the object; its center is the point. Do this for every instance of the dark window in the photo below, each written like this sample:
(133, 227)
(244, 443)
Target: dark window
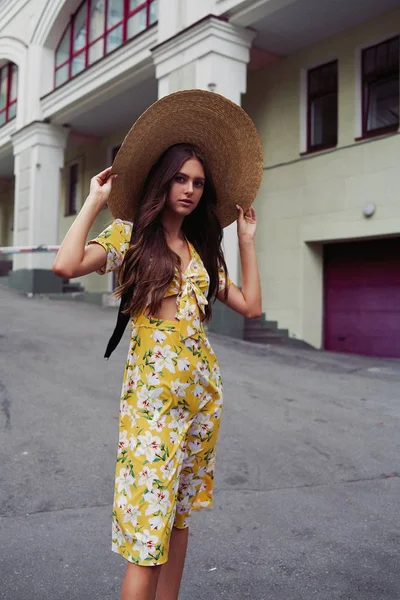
(97, 28)
(71, 207)
(8, 92)
(114, 153)
(322, 109)
(380, 80)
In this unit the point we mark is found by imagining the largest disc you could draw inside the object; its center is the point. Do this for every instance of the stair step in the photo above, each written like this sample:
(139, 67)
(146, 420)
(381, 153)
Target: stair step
(256, 323)
(263, 331)
(69, 288)
(266, 338)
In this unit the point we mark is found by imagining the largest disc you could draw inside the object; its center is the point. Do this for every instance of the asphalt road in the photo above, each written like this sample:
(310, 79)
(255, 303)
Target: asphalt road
(308, 472)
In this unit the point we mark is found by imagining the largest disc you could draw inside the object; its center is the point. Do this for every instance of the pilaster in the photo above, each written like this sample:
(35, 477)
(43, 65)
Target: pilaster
(38, 160)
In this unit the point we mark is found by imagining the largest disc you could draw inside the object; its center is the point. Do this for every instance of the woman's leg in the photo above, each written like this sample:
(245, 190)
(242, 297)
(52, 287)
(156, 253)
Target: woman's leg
(140, 583)
(171, 572)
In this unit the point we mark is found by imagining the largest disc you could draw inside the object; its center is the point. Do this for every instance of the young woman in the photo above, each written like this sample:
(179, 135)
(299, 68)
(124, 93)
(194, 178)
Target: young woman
(171, 268)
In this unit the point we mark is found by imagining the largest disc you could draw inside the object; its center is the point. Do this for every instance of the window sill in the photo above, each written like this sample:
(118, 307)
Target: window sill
(319, 149)
(377, 133)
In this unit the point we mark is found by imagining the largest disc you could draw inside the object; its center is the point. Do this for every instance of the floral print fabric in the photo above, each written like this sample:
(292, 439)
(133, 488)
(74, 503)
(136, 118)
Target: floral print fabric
(168, 426)
(169, 416)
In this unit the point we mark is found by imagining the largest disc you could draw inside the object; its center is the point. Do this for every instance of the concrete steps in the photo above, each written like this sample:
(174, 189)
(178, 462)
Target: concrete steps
(71, 288)
(261, 331)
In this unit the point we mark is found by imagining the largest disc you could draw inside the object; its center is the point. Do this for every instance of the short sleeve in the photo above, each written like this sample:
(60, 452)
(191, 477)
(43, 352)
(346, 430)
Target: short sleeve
(115, 240)
(223, 280)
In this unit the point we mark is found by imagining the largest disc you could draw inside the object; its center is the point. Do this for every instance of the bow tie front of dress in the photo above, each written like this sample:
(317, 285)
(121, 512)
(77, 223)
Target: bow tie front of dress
(190, 288)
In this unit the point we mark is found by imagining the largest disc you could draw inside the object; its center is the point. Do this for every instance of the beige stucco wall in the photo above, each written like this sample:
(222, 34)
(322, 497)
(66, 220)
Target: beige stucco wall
(92, 157)
(318, 197)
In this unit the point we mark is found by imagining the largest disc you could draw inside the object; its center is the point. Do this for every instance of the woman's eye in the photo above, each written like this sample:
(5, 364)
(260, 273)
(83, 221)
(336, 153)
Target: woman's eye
(179, 178)
(198, 183)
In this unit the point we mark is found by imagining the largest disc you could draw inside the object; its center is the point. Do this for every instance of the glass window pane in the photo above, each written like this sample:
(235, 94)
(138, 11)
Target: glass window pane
(383, 105)
(115, 12)
(79, 39)
(3, 87)
(2, 117)
(114, 39)
(78, 64)
(73, 190)
(153, 12)
(394, 53)
(369, 61)
(382, 56)
(137, 23)
(62, 75)
(134, 4)
(323, 80)
(62, 52)
(12, 111)
(324, 121)
(14, 82)
(97, 18)
(96, 51)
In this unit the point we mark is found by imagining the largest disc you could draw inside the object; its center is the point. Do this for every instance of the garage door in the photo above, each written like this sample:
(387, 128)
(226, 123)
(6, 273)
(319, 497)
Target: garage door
(362, 297)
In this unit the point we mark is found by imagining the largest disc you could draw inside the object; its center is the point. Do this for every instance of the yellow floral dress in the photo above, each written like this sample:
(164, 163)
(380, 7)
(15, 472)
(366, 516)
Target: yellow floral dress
(169, 414)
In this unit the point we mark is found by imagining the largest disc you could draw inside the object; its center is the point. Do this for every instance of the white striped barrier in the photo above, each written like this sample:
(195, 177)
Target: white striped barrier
(25, 249)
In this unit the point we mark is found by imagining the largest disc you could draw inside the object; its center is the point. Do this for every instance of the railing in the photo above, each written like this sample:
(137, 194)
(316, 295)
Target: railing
(6, 250)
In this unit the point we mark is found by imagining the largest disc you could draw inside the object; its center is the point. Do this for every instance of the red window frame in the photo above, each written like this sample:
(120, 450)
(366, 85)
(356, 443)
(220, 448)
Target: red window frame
(9, 101)
(381, 72)
(126, 15)
(71, 204)
(320, 93)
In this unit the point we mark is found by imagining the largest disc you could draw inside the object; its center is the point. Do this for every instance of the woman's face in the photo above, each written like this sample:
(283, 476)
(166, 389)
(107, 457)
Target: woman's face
(186, 188)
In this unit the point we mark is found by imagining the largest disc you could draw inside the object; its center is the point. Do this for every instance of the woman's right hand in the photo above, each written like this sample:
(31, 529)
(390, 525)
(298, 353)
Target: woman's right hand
(100, 187)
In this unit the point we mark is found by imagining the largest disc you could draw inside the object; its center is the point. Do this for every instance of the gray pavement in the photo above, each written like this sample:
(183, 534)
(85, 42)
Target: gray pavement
(308, 471)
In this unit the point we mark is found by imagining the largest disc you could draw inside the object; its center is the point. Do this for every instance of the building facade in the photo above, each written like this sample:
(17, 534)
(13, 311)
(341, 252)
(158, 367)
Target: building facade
(321, 82)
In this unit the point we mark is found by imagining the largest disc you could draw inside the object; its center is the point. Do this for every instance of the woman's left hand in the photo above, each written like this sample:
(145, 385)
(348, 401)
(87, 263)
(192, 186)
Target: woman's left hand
(246, 224)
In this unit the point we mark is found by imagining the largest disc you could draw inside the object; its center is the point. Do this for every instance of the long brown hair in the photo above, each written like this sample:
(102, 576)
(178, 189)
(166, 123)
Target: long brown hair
(149, 264)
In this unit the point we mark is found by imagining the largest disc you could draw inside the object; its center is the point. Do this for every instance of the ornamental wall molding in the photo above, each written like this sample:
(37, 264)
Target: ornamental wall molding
(9, 9)
(207, 36)
(39, 134)
(53, 20)
(6, 132)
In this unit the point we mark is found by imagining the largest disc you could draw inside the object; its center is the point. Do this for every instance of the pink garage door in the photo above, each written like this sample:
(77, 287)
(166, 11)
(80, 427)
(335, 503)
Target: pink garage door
(362, 297)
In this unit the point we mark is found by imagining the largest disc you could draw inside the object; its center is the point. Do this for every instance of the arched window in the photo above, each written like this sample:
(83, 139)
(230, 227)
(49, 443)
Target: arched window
(8, 92)
(97, 28)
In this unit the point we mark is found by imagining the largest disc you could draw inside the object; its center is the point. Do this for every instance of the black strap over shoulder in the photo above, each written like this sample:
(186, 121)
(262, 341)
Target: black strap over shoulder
(122, 322)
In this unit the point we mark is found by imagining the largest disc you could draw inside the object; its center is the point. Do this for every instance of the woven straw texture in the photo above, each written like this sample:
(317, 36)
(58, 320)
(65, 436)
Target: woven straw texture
(222, 130)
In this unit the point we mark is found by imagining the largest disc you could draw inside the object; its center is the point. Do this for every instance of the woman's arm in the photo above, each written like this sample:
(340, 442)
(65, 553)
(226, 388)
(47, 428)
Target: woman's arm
(74, 258)
(246, 301)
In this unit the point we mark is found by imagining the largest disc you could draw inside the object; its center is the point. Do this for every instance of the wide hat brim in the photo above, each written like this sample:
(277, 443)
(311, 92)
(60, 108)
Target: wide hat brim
(222, 130)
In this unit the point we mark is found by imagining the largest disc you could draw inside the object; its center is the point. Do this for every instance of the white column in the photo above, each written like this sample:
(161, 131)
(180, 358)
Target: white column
(211, 55)
(39, 158)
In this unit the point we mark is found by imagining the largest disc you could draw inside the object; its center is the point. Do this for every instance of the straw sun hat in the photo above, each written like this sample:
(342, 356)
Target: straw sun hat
(223, 132)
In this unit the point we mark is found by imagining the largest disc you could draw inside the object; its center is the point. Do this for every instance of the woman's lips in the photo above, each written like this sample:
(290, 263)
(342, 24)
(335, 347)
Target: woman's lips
(186, 202)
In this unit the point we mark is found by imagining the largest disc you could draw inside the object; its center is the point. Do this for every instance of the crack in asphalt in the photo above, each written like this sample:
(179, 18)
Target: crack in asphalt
(382, 477)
